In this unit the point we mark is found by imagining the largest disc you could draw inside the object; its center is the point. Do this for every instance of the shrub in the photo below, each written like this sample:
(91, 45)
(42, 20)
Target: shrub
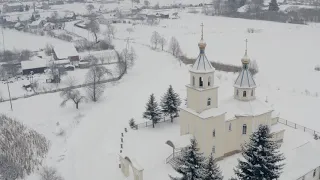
(132, 124)
(49, 173)
(317, 68)
(65, 37)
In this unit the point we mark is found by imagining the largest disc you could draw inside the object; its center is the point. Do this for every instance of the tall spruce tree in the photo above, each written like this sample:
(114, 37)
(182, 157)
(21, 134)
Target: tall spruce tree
(273, 5)
(212, 170)
(190, 164)
(262, 157)
(170, 103)
(152, 112)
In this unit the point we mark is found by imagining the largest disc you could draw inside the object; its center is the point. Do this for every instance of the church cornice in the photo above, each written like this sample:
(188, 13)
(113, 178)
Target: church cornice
(202, 89)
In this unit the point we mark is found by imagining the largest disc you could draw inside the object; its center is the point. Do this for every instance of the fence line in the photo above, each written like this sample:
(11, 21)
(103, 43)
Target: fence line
(149, 123)
(297, 126)
(62, 89)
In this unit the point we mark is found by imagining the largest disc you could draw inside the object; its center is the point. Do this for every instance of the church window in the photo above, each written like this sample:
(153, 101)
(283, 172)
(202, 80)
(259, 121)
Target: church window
(214, 133)
(237, 92)
(230, 128)
(244, 129)
(209, 102)
(193, 80)
(252, 93)
(314, 172)
(244, 93)
(200, 81)
(213, 149)
(209, 81)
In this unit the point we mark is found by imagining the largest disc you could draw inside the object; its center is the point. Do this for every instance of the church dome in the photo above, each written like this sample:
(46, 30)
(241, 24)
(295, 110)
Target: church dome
(202, 45)
(245, 59)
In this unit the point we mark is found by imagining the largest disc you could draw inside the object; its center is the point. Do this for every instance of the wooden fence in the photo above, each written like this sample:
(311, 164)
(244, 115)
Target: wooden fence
(149, 123)
(297, 126)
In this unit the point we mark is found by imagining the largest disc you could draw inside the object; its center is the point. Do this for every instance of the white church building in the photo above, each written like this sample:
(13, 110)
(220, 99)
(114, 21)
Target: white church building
(221, 126)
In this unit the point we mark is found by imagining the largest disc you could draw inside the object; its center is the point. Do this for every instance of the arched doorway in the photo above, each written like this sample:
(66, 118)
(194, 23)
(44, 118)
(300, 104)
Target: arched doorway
(126, 162)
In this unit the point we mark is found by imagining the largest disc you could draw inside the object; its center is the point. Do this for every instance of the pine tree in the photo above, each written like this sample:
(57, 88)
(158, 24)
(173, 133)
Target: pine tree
(190, 164)
(262, 157)
(170, 103)
(152, 112)
(212, 170)
(132, 124)
(273, 5)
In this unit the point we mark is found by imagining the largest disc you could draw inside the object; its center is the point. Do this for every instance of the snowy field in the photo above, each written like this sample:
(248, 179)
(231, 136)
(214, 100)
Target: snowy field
(286, 55)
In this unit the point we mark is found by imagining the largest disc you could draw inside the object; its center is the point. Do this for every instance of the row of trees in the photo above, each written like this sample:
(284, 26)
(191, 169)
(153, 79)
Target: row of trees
(169, 107)
(157, 41)
(261, 160)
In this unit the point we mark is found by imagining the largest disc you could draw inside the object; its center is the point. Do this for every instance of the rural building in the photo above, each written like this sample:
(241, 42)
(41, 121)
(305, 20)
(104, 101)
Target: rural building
(49, 26)
(36, 66)
(38, 24)
(14, 7)
(232, 120)
(19, 26)
(70, 16)
(66, 52)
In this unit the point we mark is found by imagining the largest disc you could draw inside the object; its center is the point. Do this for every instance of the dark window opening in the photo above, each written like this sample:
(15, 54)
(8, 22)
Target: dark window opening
(244, 93)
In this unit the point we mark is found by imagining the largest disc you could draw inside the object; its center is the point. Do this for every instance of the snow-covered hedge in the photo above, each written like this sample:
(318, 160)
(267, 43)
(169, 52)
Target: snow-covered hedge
(22, 149)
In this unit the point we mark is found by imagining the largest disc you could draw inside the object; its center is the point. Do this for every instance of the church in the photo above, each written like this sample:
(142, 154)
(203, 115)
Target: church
(221, 126)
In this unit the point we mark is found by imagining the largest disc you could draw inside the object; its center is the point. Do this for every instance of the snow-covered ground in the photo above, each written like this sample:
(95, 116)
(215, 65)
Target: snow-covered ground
(286, 55)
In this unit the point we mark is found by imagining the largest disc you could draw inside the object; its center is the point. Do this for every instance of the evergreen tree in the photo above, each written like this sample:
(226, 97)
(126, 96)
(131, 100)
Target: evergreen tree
(212, 170)
(152, 112)
(262, 157)
(273, 5)
(32, 18)
(170, 103)
(190, 164)
(132, 124)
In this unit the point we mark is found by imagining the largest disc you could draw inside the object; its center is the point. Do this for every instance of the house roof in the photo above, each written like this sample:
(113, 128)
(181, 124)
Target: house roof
(36, 23)
(33, 64)
(301, 160)
(61, 61)
(64, 51)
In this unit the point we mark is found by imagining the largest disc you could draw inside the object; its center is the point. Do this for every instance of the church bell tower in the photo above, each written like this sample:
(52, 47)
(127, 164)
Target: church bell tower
(202, 94)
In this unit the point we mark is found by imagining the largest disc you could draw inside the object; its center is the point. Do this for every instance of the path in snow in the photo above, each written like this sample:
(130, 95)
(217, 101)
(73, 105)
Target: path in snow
(94, 146)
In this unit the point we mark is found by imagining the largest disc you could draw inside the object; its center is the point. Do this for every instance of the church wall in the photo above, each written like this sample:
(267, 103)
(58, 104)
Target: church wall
(203, 129)
(197, 99)
(205, 79)
(248, 94)
(235, 137)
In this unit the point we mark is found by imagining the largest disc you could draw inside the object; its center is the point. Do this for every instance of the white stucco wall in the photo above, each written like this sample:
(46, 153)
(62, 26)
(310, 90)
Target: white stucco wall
(205, 77)
(248, 97)
(197, 98)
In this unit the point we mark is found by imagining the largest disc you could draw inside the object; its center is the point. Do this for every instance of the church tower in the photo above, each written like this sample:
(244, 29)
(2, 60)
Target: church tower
(244, 86)
(202, 94)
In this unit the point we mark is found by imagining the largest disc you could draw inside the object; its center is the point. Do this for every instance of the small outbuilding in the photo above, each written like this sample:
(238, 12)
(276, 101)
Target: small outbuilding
(36, 66)
(66, 52)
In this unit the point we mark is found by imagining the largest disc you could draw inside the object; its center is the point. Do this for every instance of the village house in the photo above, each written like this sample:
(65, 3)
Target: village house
(14, 7)
(38, 24)
(66, 52)
(70, 16)
(49, 26)
(36, 66)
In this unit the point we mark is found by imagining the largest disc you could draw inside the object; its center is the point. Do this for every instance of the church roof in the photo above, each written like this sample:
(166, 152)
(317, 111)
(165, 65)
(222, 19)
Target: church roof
(202, 65)
(245, 79)
(232, 108)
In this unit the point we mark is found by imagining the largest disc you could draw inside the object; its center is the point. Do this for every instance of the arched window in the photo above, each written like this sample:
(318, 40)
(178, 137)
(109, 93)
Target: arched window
(213, 149)
(230, 128)
(244, 129)
(193, 80)
(244, 93)
(200, 81)
(314, 172)
(237, 92)
(209, 81)
(252, 92)
(209, 102)
(214, 133)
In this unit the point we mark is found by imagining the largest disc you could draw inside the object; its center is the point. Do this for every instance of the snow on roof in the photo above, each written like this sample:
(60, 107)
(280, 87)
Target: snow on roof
(36, 23)
(61, 61)
(232, 107)
(183, 141)
(301, 160)
(202, 65)
(64, 51)
(39, 63)
(245, 79)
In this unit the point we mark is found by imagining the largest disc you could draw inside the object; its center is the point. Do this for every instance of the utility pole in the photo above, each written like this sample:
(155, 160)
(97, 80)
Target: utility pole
(7, 75)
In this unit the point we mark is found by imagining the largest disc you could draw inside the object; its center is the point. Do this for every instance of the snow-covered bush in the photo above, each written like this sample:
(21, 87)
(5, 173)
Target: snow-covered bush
(317, 68)
(22, 149)
(60, 132)
(50, 173)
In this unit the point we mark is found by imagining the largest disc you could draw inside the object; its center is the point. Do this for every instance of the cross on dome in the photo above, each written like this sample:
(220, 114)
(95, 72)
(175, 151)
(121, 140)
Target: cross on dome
(202, 45)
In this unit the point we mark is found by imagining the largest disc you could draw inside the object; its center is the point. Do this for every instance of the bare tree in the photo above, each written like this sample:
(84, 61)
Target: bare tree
(253, 66)
(90, 7)
(94, 27)
(110, 31)
(71, 94)
(127, 59)
(146, 3)
(3, 74)
(95, 79)
(217, 4)
(49, 173)
(163, 42)
(56, 72)
(155, 39)
(48, 50)
(22, 149)
(174, 47)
